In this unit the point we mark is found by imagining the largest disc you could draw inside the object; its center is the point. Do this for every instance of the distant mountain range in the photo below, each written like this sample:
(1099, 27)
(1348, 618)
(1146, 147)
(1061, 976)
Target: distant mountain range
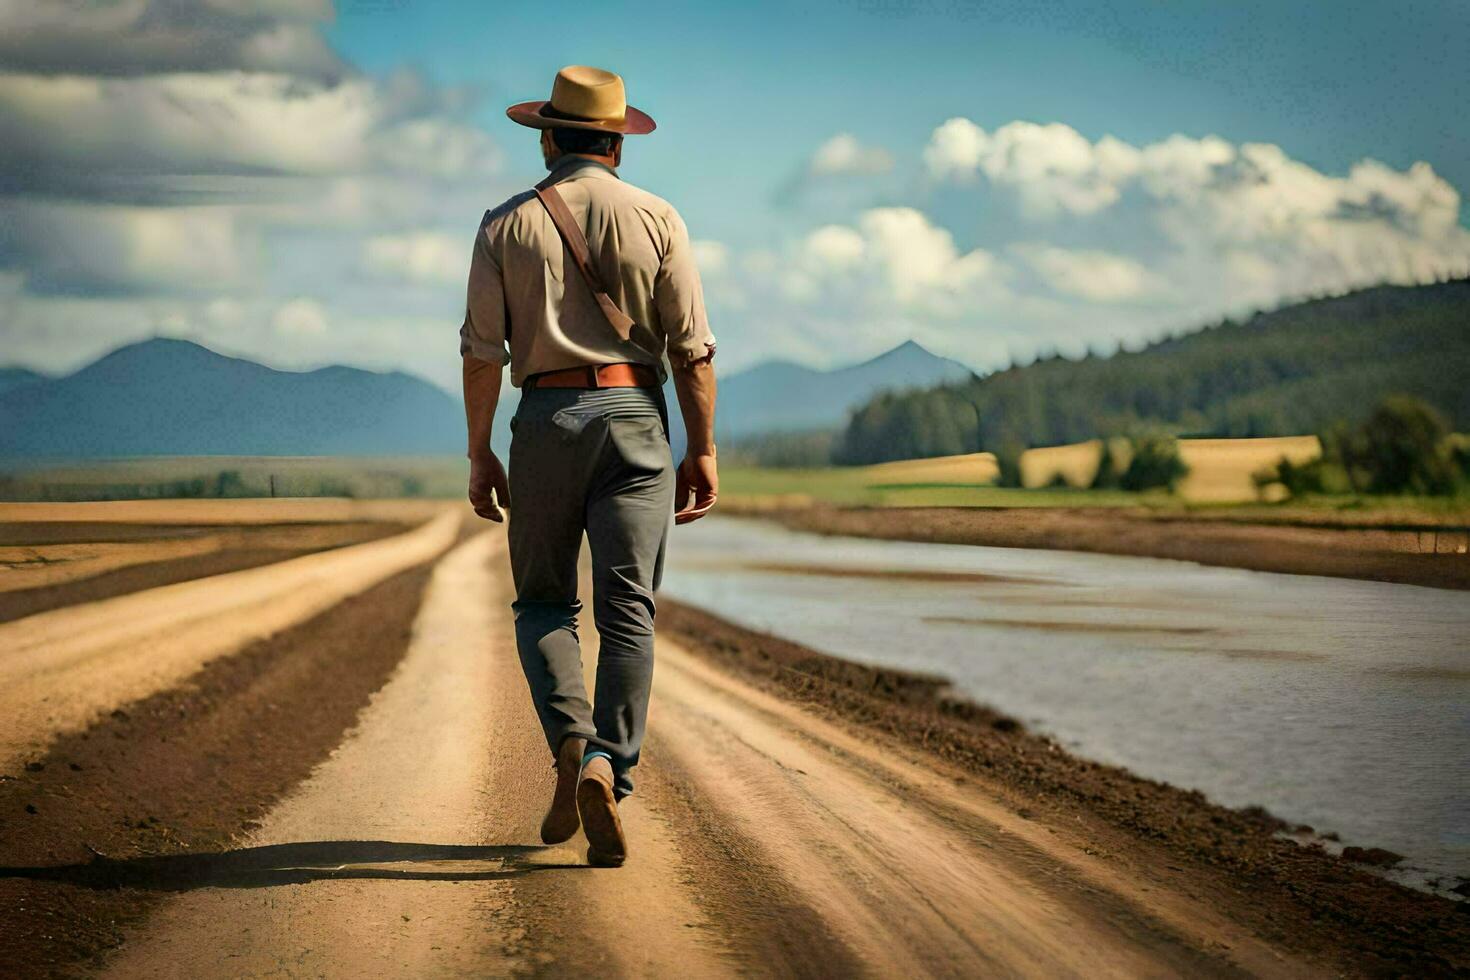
(165, 397)
(14, 377)
(176, 398)
(779, 396)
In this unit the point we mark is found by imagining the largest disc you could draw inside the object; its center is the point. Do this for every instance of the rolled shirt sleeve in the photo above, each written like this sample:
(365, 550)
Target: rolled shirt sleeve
(679, 299)
(483, 333)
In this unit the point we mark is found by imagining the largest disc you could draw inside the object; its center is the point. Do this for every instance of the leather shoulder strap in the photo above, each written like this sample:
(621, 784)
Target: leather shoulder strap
(576, 242)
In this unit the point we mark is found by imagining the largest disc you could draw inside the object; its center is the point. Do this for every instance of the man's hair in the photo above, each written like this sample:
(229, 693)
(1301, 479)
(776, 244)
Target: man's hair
(570, 140)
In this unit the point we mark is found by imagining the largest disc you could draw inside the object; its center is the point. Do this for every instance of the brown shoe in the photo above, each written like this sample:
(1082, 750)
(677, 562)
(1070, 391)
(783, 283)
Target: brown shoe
(606, 846)
(561, 819)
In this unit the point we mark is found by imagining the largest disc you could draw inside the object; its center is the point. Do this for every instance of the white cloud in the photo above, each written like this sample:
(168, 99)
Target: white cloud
(225, 123)
(836, 174)
(224, 313)
(1052, 167)
(421, 256)
(843, 154)
(68, 246)
(1197, 212)
(710, 257)
(955, 149)
(1243, 192)
(143, 36)
(1085, 243)
(891, 259)
(300, 317)
(212, 150)
(919, 259)
(1089, 274)
(436, 147)
(835, 247)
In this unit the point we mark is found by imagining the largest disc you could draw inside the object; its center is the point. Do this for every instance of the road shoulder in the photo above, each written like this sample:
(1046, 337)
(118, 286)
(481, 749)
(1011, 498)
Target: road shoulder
(1432, 555)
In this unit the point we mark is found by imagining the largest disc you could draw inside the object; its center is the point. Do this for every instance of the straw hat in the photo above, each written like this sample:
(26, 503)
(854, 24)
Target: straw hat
(584, 98)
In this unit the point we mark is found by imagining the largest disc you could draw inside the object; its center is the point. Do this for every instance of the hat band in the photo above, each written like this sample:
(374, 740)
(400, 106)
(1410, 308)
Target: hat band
(550, 110)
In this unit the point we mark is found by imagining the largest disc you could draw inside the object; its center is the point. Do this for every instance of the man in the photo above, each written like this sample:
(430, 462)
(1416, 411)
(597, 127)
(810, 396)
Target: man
(591, 283)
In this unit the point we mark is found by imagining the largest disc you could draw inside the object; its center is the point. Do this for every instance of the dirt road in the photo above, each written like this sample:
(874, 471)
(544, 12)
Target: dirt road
(64, 668)
(764, 840)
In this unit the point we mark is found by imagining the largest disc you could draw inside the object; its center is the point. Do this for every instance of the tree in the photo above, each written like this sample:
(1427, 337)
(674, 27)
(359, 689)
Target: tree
(1107, 475)
(1155, 463)
(1008, 461)
(1459, 447)
(1297, 479)
(1403, 448)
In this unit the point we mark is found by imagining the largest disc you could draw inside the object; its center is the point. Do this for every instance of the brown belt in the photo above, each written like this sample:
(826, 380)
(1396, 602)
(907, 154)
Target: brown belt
(596, 376)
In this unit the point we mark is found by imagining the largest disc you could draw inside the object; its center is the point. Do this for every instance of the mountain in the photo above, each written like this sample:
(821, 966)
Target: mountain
(1296, 370)
(14, 377)
(779, 396)
(176, 398)
(166, 397)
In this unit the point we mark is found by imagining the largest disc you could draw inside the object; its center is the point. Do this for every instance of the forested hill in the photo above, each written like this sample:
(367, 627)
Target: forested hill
(1292, 371)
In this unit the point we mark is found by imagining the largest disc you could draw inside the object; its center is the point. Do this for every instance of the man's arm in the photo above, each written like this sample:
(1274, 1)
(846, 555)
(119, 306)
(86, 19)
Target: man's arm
(481, 393)
(679, 299)
(482, 346)
(694, 383)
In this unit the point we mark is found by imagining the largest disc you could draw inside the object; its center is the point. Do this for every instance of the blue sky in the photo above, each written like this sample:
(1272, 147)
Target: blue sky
(299, 181)
(743, 91)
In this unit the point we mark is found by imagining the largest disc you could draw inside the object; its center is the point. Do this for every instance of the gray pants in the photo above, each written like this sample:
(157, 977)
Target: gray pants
(594, 461)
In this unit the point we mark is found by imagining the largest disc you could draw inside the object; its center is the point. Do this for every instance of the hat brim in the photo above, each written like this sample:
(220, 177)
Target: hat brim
(533, 114)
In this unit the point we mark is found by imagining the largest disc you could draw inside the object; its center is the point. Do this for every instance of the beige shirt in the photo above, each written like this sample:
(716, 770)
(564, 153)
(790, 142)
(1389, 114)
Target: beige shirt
(526, 292)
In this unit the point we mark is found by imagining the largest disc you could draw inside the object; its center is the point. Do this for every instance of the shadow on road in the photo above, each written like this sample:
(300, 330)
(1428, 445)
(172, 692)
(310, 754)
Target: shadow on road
(299, 863)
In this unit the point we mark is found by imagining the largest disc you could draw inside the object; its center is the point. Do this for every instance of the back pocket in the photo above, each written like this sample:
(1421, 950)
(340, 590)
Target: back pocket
(641, 443)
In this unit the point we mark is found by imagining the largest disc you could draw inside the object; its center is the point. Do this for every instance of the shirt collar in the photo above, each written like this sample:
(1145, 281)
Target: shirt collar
(570, 166)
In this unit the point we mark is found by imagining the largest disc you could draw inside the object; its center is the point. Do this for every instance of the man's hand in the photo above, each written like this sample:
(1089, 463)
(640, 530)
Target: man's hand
(694, 383)
(697, 477)
(489, 489)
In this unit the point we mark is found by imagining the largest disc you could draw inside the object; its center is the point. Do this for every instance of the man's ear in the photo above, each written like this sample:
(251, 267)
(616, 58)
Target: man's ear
(618, 154)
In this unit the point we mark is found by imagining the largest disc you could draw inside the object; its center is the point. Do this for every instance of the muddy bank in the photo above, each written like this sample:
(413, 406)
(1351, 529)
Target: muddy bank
(1298, 896)
(1432, 556)
(184, 771)
(76, 577)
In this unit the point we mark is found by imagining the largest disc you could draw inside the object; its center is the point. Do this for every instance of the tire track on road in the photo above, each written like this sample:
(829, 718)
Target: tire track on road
(62, 670)
(859, 839)
(425, 890)
(181, 773)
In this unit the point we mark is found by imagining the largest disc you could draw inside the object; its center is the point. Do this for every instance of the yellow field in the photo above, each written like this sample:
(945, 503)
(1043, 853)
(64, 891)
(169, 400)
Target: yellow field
(972, 468)
(1077, 463)
(1219, 469)
(279, 510)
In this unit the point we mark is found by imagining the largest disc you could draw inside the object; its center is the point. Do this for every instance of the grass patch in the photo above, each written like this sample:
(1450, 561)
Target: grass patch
(860, 486)
(876, 487)
(174, 477)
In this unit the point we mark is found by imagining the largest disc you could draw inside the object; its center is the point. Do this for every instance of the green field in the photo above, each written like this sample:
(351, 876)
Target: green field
(162, 477)
(752, 489)
(860, 486)
(919, 483)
